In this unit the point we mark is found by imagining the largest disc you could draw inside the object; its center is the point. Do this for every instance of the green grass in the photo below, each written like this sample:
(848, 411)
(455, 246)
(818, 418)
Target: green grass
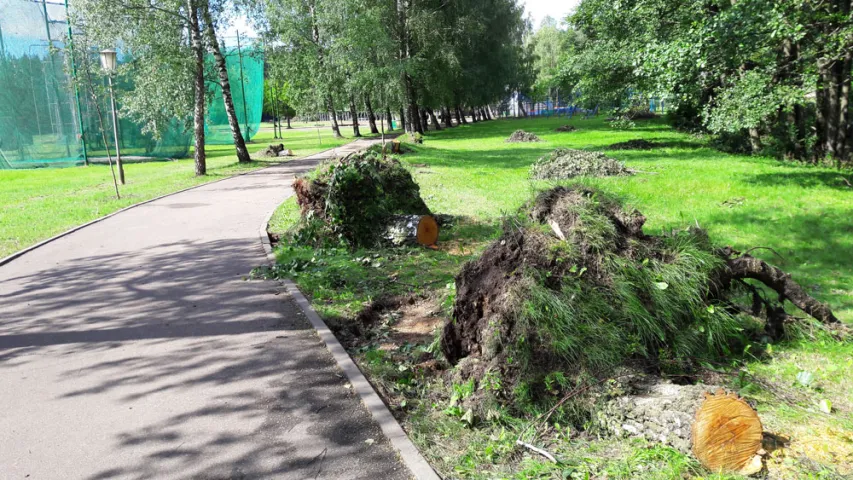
(39, 203)
(803, 213)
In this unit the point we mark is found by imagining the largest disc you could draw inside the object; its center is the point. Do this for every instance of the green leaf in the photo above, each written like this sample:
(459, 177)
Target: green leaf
(661, 285)
(825, 406)
(805, 378)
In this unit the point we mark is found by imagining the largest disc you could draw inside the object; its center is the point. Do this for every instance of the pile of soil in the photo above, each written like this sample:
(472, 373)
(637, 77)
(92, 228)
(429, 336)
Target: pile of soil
(520, 136)
(637, 144)
(575, 289)
(354, 197)
(566, 163)
(566, 128)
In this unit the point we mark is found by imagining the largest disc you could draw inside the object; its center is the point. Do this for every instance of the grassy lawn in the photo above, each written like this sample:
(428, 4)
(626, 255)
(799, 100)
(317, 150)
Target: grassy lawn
(801, 212)
(37, 204)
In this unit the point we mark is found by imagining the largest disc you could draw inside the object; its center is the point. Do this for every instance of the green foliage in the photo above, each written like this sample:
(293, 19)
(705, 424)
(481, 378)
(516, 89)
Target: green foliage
(622, 123)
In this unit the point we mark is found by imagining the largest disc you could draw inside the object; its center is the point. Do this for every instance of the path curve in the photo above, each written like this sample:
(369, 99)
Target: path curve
(134, 348)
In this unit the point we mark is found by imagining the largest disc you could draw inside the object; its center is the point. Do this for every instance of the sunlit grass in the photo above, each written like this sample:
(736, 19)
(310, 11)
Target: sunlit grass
(36, 204)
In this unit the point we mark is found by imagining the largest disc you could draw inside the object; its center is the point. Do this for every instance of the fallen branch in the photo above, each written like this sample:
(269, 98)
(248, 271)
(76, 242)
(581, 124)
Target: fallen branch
(537, 450)
(747, 266)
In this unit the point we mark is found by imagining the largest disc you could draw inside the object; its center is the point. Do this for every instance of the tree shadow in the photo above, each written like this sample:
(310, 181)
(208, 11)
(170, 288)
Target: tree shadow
(806, 178)
(167, 362)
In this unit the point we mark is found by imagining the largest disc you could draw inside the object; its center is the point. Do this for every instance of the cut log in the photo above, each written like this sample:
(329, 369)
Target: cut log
(411, 230)
(720, 429)
(427, 231)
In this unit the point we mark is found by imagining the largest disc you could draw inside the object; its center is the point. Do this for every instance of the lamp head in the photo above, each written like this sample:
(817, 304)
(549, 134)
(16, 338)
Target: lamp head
(108, 60)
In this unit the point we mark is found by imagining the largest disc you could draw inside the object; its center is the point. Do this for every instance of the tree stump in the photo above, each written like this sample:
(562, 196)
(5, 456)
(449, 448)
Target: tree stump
(720, 429)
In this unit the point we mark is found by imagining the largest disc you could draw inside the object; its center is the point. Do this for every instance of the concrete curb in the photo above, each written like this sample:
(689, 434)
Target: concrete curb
(407, 451)
(7, 259)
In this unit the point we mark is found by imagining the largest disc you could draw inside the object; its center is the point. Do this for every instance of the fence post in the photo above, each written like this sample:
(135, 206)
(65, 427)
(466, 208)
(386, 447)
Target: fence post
(76, 86)
(242, 85)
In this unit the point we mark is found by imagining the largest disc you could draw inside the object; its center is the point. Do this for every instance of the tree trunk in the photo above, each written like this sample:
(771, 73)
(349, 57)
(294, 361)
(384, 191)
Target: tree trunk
(403, 120)
(474, 118)
(820, 113)
(718, 428)
(388, 118)
(371, 117)
(354, 114)
(333, 116)
(198, 112)
(423, 118)
(224, 83)
(460, 117)
(448, 122)
(432, 119)
(288, 125)
(521, 111)
(843, 108)
(833, 106)
(754, 140)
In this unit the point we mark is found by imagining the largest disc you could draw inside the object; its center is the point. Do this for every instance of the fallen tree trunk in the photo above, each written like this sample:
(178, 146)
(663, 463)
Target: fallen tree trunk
(720, 429)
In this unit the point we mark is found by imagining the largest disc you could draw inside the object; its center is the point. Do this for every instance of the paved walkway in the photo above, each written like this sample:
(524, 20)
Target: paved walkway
(134, 348)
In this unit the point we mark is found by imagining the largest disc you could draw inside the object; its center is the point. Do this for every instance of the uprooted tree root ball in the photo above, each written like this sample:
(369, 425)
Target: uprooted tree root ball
(565, 128)
(637, 144)
(520, 136)
(575, 289)
(353, 199)
(566, 163)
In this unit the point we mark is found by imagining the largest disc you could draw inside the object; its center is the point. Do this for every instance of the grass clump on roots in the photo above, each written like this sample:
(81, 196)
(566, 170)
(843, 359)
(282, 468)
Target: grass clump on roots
(575, 289)
(349, 200)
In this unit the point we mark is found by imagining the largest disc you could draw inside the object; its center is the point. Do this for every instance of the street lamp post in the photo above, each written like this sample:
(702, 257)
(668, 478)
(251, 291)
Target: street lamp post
(108, 63)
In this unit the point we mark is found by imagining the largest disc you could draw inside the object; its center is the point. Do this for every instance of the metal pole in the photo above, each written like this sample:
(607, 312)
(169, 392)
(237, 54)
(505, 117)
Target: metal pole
(115, 131)
(242, 86)
(2, 45)
(53, 72)
(76, 88)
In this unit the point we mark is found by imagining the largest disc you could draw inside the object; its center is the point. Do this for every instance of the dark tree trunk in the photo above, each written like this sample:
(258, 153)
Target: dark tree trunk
(354, 114)
(474, 118)
(820, 113)
(424, 121)
(448, 122)
(433, 119)
(388, 118)
(371, 117)
(415, 117)
(844, 108)
(403, 124)
(521, 110)
(224, 83)
(833, 104)
(198, 112)
(333, 116)
(460, 117)
(288, 124)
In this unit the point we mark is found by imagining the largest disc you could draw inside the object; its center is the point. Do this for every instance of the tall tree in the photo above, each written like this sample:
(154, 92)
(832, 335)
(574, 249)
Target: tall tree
(224, 83)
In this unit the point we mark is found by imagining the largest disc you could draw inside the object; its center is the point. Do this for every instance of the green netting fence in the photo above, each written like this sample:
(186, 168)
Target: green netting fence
(39, 120)
(45, 121)
(246, 74)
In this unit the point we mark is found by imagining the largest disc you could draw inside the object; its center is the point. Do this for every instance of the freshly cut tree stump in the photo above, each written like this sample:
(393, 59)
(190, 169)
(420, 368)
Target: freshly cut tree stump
(411, 230)
(720, 429)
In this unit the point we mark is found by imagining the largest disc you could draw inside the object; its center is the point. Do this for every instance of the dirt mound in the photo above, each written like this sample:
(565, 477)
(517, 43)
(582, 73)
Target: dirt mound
(575, 288)
(637, 144)
(565, 128)
(565, 163)
(519, 136)
(353, 198)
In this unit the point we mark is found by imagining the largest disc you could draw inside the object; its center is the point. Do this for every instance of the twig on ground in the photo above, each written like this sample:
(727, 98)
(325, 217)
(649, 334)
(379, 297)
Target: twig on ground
(765, 248)
(537, 450)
